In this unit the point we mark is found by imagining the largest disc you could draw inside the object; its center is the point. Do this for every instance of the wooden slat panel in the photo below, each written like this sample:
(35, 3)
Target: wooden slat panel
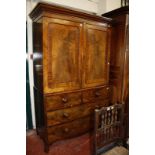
(108, 125)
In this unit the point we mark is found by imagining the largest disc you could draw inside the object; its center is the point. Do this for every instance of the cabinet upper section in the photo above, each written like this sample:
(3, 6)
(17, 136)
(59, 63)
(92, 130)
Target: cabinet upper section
(74, 49)
(44, 10)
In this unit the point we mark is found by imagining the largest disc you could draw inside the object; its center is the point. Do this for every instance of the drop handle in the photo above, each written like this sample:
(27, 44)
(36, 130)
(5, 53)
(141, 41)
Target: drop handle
(65, 114)
(97, 94)
(64, 100)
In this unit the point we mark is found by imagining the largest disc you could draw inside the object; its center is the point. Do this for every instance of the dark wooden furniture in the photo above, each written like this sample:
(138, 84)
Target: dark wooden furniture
(71, 70)
(109, 131)
(119, 59)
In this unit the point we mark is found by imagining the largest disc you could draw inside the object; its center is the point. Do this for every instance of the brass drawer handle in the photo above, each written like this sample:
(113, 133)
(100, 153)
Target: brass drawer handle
(66, 130)
(97, 94)
(65, 114)
(64, 100)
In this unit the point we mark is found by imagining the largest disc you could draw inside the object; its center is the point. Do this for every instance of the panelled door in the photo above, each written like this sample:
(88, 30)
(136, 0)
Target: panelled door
(62, 56)
(95, 56)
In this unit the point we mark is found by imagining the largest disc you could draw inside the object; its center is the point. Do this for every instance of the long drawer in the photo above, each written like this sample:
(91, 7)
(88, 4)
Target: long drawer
(71, 129)
(95, 94)
(69, 114)
(64, 100)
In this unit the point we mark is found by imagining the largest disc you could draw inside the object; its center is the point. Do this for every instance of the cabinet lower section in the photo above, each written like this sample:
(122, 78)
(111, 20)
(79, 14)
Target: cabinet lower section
(67, 115)
(64, 131)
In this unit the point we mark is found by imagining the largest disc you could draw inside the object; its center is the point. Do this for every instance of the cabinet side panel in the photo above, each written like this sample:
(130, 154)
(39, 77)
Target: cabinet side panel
(39, 110)
(37, 56)
(38, 74)
(125, 92)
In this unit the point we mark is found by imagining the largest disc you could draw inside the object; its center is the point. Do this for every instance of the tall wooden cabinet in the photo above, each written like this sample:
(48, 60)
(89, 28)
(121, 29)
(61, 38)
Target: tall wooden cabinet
(119, 59)
(71, 70)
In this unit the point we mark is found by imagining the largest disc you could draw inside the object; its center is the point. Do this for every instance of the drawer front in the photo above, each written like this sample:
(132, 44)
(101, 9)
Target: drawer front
(71, 129)
(102, 103)
(54, 102)
(95, 94)
(69, 114)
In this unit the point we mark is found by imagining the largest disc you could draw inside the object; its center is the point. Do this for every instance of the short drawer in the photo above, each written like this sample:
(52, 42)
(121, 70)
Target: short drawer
(102, 103)
(65, 100)
(71, 129)
(69, 114)
(93, 94)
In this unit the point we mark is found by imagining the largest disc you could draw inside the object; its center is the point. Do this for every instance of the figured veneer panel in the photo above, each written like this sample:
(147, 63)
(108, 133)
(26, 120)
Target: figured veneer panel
(63, 55)
(96, 56)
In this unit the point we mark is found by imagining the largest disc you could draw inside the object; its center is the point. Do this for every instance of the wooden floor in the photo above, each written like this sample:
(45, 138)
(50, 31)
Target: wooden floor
(82, 145)
(76, 146)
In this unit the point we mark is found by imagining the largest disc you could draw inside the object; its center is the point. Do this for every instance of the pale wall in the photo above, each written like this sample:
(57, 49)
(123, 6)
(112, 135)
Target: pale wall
(87, 5)
(101, 7)
(112, 4)
(107, 5)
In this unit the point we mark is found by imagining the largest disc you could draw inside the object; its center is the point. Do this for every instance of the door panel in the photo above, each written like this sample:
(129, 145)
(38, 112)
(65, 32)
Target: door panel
(95, 56)
(62, 59)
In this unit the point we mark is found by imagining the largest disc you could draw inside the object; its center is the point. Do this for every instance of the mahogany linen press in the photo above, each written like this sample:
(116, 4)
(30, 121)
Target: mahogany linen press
(71, 54)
